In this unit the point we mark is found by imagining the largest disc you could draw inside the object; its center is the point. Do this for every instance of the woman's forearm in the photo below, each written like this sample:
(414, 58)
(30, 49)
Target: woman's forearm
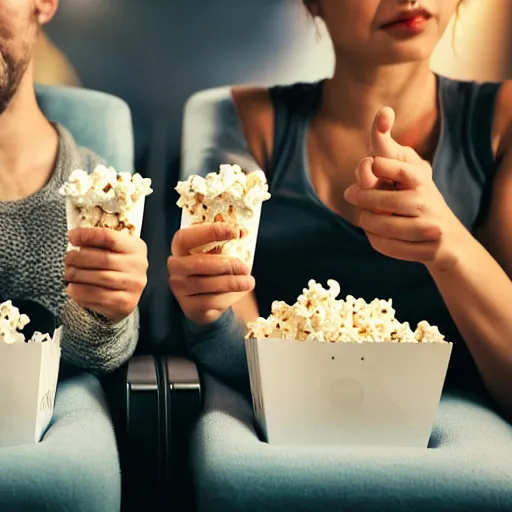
(478, 294)
(219, 349)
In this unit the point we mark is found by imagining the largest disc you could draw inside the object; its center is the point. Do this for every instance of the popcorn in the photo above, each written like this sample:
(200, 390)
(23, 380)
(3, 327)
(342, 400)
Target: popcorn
(317, 315)
(230, 196)
(105, 198)
(12, 321)
(223, 196)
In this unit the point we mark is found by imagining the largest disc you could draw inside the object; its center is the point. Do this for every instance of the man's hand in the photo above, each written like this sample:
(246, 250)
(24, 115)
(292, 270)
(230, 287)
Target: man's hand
(108, 272)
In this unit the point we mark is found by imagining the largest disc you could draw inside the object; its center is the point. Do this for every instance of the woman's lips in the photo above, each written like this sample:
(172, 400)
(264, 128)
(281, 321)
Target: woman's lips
(408, 26)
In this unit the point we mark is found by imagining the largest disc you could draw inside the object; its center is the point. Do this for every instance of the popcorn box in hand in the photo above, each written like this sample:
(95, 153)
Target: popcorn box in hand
(131, 220)
(28, 378)
(345, 391)
(105, 199)
(230, 196)
(242, 248)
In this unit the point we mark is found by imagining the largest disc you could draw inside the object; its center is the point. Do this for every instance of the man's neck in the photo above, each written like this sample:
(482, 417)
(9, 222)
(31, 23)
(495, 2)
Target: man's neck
(28, 145)
(354, 95)
(27, 139)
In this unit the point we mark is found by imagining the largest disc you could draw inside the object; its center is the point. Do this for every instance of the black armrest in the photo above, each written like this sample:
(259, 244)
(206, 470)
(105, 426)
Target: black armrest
(183, 406)
(155, 401)
(141, 442)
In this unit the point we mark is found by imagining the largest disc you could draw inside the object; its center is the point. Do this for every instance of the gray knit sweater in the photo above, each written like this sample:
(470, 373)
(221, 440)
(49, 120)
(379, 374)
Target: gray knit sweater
(33, 240)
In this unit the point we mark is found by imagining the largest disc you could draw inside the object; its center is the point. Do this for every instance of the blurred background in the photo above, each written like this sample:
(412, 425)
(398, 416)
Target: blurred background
(156, 53)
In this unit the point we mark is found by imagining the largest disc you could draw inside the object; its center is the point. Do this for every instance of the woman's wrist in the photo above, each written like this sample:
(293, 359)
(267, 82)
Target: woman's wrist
(226, 318)
(454, 253)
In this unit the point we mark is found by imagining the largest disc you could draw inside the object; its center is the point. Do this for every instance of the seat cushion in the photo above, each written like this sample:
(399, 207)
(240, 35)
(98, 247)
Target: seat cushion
(75, 466)
(468, 466)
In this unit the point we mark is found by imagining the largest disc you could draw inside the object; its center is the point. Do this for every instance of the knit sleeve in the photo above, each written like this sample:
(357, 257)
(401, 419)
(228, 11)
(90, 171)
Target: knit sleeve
(93, 342)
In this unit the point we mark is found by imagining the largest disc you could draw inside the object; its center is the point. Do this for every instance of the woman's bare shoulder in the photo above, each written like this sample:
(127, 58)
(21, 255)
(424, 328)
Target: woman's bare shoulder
(256, 114)
(502, 125)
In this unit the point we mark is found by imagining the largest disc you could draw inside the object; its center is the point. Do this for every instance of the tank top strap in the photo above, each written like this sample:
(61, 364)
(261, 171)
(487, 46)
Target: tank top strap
(293, 105)
(472, 104)
(483, 110)
(469, 109)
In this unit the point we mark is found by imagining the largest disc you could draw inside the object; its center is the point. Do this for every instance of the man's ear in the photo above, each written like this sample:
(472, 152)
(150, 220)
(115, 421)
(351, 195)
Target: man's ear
(45, 10)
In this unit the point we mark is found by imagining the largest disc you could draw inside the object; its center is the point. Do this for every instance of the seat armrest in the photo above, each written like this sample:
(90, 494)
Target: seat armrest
(143, 440)
(162, 402)
(184, 403)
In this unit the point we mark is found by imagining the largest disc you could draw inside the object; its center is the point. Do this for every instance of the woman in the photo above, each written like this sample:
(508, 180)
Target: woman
(331, 150)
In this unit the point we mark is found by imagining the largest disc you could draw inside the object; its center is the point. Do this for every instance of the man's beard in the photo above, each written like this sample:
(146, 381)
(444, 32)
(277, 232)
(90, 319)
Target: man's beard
(11, 76)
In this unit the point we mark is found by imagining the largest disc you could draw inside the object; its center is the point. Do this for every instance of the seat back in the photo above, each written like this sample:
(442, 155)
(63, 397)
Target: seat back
(156, 54)
(98, 121)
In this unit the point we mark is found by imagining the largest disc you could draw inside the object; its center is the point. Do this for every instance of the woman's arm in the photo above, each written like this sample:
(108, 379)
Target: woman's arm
(478, 289)
(220, 347)
(223, 126)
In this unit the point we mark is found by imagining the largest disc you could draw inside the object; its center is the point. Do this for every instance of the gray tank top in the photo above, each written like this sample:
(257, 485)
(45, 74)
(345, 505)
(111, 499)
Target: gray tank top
(301, 239)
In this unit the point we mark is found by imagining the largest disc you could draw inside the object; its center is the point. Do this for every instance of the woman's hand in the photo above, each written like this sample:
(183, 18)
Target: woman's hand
(108, 274)
(206, 285)
(401, 210)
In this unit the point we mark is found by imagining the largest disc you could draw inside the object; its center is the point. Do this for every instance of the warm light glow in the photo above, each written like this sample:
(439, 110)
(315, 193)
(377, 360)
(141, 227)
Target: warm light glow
(480, 48)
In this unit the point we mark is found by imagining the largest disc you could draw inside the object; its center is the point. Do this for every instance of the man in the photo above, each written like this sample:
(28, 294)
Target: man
(94, 292)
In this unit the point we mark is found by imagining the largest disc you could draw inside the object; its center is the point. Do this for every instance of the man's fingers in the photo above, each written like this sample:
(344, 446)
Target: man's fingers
(108, 239)
(206, 265)
(103, 279)
(187, 239)
(94, 297)
(95, 259)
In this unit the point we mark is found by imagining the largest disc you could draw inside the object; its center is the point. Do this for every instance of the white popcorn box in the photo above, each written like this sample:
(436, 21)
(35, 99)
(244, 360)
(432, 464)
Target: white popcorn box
(74, 220)
(28, 379)
(313, 393)
(243, 248)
